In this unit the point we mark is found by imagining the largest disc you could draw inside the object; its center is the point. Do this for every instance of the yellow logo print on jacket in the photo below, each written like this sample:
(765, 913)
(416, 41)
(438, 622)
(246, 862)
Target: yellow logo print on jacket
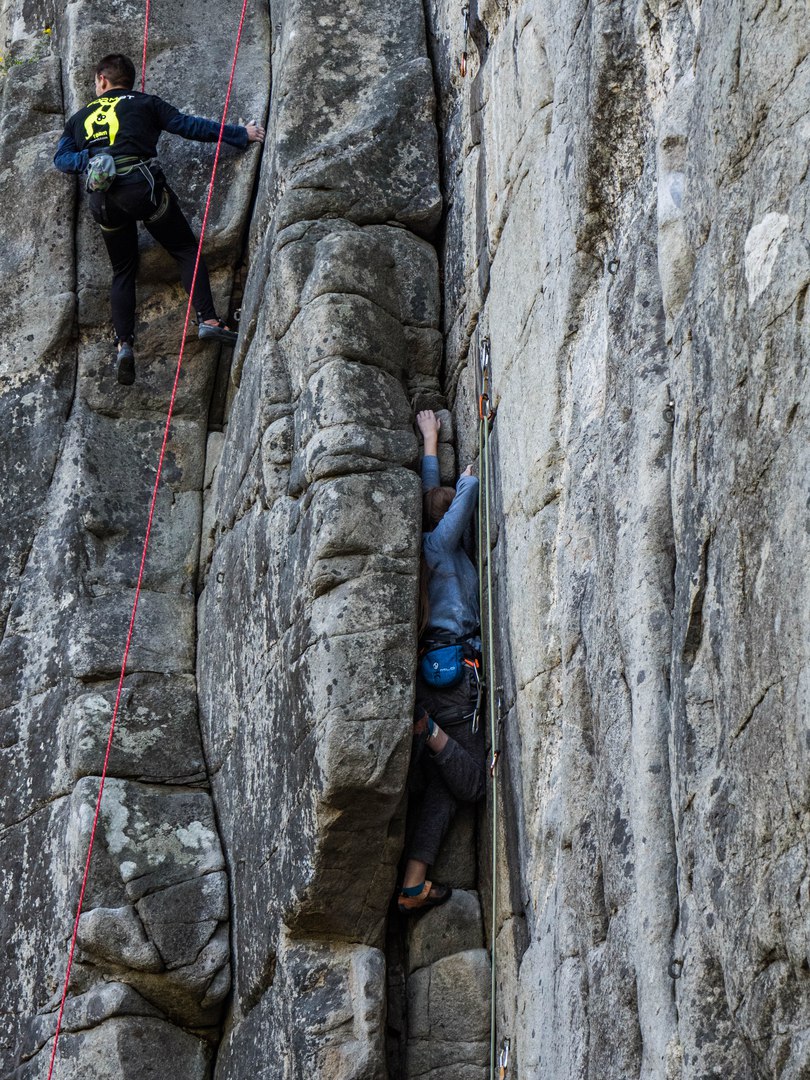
(102, 121)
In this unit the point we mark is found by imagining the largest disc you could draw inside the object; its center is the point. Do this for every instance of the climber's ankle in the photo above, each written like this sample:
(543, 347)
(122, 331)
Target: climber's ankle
(415, 873)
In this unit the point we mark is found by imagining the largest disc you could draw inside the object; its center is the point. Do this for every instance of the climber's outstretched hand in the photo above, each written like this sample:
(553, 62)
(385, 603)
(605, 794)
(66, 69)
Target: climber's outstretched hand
(428, 423)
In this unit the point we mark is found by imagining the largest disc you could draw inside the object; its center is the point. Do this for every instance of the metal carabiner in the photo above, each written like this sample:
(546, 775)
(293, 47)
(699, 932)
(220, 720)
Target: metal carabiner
(476, 714)
(503, 1060)
(462, 64)
(484, 403)
(483, 358)
(496, 750)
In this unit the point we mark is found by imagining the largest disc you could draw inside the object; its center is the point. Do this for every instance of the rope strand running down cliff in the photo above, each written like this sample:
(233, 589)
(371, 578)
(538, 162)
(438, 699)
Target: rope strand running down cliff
(147, 537)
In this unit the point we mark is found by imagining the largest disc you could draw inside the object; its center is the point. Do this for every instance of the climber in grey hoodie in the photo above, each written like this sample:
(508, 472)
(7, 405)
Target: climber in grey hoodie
(447, 763)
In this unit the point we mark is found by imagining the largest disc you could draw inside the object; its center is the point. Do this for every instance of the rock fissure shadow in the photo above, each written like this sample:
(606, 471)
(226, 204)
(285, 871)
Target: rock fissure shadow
(438, 975)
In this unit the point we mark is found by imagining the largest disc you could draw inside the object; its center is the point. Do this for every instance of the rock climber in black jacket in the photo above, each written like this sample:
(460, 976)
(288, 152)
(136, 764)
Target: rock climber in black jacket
(123, 124)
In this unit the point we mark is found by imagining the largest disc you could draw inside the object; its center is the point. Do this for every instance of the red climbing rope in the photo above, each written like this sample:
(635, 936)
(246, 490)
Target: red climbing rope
(146, 541)
(145, 40)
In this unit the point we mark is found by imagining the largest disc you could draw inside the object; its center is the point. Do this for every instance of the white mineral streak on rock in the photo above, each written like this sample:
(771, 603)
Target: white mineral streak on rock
(676, 258)
(197, 836)
(116, 818)
(762, 246)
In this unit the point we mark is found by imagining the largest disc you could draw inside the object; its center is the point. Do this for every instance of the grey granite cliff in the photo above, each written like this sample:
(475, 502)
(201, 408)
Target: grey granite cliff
(615, 196)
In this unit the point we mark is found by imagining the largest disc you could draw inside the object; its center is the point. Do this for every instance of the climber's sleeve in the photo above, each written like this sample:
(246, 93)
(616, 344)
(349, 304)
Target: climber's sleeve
(430, 472)
(68, 158)
(449, 533)
(197, 127)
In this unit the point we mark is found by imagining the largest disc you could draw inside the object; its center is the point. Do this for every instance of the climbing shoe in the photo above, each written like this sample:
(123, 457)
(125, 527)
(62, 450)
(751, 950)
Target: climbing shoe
(126, 365)
(217, 333)
(429, 896)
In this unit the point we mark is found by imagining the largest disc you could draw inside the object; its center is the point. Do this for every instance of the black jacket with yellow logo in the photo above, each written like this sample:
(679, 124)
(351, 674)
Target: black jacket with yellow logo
(126, 123)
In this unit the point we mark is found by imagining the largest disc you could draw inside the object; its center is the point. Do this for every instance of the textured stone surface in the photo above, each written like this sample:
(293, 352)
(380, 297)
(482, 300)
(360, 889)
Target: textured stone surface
(323, 1016)
(132, 1048)
(625, 187)
(627, 223)
(78, 459)
(448, 1017)
(454, 927)
(307, 617)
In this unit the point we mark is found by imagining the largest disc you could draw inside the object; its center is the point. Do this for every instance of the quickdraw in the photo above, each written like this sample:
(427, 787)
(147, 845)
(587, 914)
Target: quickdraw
(486, 410)
(476, 716)
(496, 748)
(462, 64)
(503, 1060)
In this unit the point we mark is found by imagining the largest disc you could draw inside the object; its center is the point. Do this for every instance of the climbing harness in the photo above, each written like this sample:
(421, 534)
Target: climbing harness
(147, 170)
(149, 522)
(99, 179)
(486, 419)
(462, 64)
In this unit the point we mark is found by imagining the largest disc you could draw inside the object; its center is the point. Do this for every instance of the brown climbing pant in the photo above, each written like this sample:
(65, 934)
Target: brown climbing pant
(437, 783)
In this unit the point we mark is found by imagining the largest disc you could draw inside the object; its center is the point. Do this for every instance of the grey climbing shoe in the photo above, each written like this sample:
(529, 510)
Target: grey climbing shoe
(217, 333)
(126, 365)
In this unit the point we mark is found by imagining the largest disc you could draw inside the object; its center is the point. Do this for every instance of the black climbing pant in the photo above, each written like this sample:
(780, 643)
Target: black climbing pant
(118, 211)
(437, 783)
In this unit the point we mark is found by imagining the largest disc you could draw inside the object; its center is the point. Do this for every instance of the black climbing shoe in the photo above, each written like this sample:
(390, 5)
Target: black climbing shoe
(431, 896)
(217, 333)
(126, 365)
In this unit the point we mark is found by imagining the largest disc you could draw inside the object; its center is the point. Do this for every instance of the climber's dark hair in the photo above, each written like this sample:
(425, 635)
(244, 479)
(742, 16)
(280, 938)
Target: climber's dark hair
(435, 504)
(118, 68)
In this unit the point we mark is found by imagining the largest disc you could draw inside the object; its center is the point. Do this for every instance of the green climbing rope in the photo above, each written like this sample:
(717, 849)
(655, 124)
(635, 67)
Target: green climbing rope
(486, 418)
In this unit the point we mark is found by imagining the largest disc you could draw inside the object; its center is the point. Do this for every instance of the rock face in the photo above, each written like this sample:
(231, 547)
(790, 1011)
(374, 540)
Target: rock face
(627, 223)
(612, 194)
(153, 956)
(307, 618)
